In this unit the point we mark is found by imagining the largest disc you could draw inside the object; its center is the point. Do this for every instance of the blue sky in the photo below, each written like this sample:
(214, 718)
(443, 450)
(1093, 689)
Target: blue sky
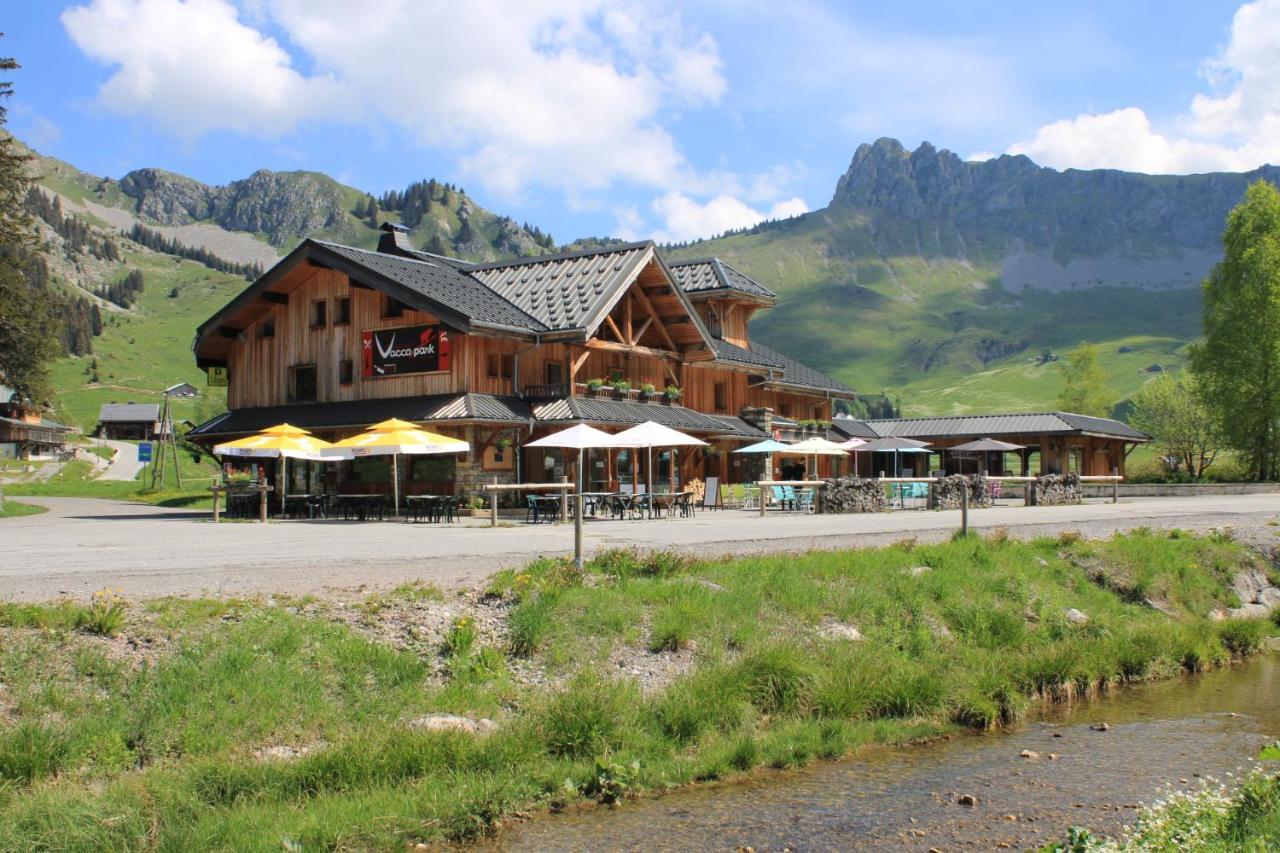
(642, 118)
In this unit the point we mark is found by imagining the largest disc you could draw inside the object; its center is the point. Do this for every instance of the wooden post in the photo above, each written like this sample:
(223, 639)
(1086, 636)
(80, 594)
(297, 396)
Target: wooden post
(262, 495)
(217, 495)
(964, 509)
(493, 504)
(577, 530)
(564, 499)
(1115, 485)
(762, 501)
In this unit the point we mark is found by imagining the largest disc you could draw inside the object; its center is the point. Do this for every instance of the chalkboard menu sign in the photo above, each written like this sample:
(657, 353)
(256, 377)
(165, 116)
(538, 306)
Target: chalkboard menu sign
(408, 349)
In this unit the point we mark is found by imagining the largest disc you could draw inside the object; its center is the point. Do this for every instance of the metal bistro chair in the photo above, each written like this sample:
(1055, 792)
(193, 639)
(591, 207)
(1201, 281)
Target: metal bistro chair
(684, 504)
(789, 497)
(532, 509)
(804, 500)
(750, 497)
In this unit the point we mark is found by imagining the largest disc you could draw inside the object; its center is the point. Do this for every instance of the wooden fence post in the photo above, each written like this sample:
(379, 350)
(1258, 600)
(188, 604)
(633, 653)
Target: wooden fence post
(493, 504)
(217, 495)
(262, 497)
(762, 500)
(964, 509)
(1115, 485)
(564, 499)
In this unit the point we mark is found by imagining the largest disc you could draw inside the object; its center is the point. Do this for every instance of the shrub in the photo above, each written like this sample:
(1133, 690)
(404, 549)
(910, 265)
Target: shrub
(1241, 637)
(616, 562)
(1070, 537)
(777, 679)
(1275, 616)
(589, 717)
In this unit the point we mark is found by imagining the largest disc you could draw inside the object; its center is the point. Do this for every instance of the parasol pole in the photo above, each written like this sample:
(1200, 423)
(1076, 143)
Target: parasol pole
(395, 482)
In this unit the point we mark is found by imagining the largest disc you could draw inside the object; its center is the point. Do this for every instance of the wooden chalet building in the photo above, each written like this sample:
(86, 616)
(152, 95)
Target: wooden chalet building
(25, 433)
(335, 338)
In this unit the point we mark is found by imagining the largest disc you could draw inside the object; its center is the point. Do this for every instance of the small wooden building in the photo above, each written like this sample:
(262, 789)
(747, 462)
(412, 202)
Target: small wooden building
(130, 421)
(334, 338)
(1053, 442)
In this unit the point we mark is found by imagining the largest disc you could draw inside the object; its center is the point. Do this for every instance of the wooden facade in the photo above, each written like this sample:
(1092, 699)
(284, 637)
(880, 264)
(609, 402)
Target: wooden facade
(294, 341)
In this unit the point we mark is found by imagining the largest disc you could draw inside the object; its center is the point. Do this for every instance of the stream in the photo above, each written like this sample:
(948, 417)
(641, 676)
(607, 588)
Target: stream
(905, 798)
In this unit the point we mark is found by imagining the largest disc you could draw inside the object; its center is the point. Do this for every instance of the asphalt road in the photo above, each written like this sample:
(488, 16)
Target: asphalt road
(83, 545)
(125, 465)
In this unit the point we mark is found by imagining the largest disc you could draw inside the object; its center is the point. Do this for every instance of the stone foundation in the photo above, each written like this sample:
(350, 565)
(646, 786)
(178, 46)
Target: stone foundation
(853, 494)
(1056, 490)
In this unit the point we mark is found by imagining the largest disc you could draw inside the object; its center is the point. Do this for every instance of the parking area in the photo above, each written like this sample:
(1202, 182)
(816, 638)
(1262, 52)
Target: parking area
(82, 545)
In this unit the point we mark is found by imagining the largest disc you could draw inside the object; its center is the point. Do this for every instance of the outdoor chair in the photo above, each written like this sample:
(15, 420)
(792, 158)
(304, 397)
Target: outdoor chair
(532, 509)
(788, 497)
(804, 500)
(642, 506)
(684, 504)
(750, 497)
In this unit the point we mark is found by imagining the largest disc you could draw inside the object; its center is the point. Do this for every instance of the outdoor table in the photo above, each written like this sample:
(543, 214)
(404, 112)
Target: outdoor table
(433, 507)
(593, 500)
(312, 504)
(362, 504)
(660, 502)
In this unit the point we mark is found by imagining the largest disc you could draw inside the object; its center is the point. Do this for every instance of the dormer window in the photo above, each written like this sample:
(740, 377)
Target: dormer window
(392, 308)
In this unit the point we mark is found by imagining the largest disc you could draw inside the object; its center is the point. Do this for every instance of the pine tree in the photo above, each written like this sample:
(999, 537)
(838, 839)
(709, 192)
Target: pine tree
(371, 214)
(28, 340)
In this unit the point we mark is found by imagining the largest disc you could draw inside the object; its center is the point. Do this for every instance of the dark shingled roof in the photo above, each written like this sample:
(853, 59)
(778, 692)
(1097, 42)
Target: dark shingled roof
(978, 426)
(129, 412)
(444, 284)
(361, 413)
(726, 351)
(800, 375)
(624, 413)
(564, 291)
(708, 275)
(853, 427)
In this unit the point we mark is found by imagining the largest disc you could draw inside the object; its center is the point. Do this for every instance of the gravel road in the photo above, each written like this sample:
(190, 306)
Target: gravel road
(82, 545)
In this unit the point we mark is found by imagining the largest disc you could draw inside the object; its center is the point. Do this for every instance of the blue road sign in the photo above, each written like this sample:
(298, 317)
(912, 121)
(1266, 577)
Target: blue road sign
(144, 451)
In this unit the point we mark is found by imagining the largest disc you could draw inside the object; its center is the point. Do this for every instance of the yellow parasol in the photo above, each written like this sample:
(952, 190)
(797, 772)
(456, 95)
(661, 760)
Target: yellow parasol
(283, 442)
(393, 437)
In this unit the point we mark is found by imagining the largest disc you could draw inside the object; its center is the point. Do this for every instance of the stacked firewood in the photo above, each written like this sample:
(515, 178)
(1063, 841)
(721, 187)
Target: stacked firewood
(1056, 489)
(853, 494)
(946, 492)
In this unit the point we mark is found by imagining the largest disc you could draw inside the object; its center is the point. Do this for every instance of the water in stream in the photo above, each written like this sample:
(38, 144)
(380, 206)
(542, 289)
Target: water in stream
(905, 798)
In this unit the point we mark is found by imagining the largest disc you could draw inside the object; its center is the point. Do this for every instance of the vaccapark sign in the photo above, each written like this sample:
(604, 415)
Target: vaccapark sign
(407, 349)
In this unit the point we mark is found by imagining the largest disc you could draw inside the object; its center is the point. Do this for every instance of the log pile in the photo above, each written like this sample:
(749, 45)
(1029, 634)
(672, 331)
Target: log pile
(853, 494)
(945, 492)
(1056, 490)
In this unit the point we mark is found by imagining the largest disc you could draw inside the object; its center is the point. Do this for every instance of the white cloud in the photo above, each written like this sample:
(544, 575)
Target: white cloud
(687, 219)
(566, 93)
(193, 67)
(1237, 127)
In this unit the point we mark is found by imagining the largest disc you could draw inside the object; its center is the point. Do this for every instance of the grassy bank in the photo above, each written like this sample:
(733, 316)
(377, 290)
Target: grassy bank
(13, 509)
(262, 724)
(78, 479)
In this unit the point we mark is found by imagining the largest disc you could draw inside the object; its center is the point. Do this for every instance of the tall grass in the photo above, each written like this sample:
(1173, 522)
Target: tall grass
(168, 750)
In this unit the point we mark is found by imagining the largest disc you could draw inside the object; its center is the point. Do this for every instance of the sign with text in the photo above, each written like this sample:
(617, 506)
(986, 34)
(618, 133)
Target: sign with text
(217, 377)
(408, 349)
(144, 451)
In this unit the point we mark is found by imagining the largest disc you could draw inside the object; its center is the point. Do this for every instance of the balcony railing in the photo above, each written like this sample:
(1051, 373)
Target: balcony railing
(546, 391)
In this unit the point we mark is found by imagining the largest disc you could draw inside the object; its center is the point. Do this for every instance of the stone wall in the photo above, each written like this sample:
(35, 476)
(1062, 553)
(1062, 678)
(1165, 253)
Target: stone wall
(946, 492)
(853, 494)
(1056, 490)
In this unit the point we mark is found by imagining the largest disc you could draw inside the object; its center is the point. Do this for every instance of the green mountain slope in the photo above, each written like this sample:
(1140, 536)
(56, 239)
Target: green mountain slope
(944, 282)
(145, 346)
